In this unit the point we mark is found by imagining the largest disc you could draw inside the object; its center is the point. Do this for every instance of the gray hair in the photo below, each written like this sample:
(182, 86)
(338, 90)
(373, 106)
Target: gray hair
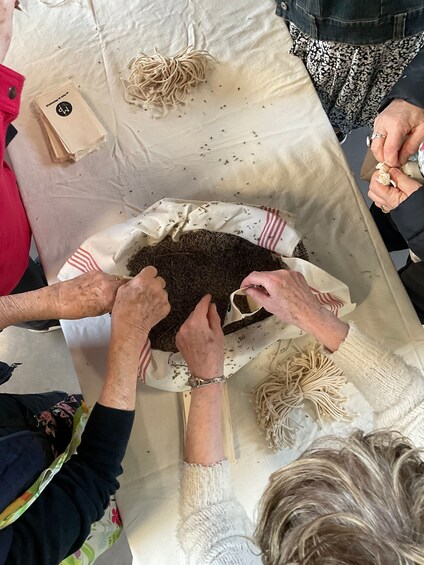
(346, 501)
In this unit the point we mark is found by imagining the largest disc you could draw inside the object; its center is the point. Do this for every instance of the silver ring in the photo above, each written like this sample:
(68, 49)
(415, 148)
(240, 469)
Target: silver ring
(375, 134)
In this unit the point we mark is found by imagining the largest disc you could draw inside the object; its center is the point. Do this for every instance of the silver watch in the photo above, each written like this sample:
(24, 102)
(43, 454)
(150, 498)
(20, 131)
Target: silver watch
(197, 382)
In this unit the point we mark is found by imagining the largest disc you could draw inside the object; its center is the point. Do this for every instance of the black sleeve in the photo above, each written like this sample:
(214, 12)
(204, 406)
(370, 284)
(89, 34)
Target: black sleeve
(59, 521)
(410, 86)
(412, 276)
(409, 220)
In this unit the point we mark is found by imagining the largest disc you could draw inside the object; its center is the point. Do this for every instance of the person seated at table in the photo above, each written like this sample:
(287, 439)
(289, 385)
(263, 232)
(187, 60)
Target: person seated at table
(354, 500)
(399, 211)
(399, 124)
(59, 521)
(354, 53)
(18, 272)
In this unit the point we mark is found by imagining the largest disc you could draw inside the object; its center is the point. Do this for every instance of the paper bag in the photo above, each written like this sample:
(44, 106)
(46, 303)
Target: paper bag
(70, 126)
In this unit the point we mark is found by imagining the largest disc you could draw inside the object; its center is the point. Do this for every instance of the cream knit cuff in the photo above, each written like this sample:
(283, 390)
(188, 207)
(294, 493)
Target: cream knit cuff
(381, 376)
(203, 486)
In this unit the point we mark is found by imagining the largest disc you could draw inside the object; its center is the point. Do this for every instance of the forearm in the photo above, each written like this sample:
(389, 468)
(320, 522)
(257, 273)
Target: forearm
(204, 444)
(394, 389)
(119, 389)
(329, 330)
(39, 304)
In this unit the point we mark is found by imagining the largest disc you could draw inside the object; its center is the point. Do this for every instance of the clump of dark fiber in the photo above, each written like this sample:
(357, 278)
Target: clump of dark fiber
(201, 262)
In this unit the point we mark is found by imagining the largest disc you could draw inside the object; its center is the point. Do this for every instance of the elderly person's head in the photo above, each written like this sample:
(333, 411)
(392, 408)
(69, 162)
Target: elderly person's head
(356, 501)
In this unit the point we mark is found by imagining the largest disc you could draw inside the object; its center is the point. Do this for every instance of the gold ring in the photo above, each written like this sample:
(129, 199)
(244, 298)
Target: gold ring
(384, 210)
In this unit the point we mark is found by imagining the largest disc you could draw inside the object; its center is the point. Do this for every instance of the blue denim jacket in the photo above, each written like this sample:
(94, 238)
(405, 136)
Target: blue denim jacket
(357, 22)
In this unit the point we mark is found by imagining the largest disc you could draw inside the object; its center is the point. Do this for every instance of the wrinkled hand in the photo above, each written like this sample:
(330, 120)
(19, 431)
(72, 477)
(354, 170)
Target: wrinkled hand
(201, 341)
(88, 295)
(140, 304)
(388, 196)
(6, 20)
(403, 125)
(283, 293)
(287, 295)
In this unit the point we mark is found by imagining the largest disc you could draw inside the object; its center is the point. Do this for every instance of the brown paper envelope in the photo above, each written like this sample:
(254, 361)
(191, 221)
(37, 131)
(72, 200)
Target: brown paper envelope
(56, 148)
(71, 119)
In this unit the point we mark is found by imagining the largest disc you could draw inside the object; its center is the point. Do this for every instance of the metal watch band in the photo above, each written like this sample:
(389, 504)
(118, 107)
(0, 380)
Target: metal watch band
(196, 382)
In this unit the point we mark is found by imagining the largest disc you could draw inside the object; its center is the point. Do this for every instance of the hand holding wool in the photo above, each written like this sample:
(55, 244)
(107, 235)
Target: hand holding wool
(389, 197)
(402, 124)
(140, 304)
(88, 295)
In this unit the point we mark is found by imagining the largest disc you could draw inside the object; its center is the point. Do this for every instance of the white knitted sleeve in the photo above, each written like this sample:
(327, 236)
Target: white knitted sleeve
(394, 389)
(214, 528)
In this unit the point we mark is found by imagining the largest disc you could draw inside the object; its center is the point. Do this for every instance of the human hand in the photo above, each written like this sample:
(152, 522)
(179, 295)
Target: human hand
(389, 197)
(403, 125)
(201, 341)
(283, 293)
(6, 20)
(140, 304)
(287, 295)
(88, 295)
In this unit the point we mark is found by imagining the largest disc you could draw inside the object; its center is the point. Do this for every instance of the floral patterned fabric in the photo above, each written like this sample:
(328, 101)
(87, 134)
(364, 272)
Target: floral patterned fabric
(57, 422)
(353, 80)
(103, 535)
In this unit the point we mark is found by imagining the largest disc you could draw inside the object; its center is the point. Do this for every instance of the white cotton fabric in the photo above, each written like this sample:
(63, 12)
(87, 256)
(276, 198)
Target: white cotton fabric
(110, 250)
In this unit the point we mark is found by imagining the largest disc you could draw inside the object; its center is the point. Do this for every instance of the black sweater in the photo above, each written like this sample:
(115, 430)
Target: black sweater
(59, 521)
(410, 86)
(409, 216)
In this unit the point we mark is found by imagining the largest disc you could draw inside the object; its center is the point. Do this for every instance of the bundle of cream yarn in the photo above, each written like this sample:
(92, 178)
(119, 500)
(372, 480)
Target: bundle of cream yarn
(159, 82)
(303, 376)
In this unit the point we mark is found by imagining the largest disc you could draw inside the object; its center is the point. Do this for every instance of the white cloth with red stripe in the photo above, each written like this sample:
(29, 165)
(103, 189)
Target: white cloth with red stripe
(110, 250)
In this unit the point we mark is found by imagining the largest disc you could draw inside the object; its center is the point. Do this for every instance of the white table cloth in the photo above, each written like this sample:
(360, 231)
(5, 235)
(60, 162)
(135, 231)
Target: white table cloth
(259, 112)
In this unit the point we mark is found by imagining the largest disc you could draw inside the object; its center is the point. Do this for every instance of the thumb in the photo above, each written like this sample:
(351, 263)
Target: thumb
(410, 145)
(259, 295)
(256, 277)
(404, 183)
(118, 284)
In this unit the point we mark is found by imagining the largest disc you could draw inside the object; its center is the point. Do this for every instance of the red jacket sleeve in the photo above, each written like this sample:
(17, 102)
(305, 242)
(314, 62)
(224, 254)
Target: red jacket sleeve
(15, 233)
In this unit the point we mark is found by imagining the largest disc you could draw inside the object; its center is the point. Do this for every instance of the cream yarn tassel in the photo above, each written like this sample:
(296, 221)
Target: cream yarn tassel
(163, 82)
(306, 375)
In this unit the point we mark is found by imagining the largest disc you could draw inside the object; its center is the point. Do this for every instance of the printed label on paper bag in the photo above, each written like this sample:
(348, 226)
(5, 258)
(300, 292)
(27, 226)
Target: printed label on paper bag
(71, 119)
